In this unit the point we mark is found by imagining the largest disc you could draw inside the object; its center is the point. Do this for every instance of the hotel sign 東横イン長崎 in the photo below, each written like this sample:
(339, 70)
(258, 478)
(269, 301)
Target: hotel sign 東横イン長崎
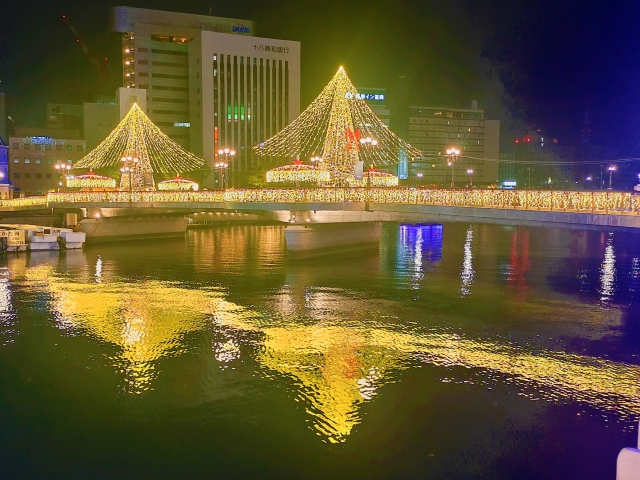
(379, 97)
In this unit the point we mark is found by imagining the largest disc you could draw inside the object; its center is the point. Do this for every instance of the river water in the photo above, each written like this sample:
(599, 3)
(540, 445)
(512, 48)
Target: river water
(453, 351)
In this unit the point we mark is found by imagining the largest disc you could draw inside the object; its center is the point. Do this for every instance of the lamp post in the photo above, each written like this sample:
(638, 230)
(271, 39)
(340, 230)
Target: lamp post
(470, 173)
(419, 178)
(611, 170)
(222, 166)
(129, 166)
(225, 153)
(589, 178)
(453, 156)
(64, 169)
(366, 144)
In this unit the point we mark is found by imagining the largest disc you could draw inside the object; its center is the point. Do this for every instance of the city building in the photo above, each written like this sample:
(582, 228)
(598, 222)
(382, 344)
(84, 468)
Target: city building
(245, 90)
(65, 116)
(540, 161)
(434, 130)
(155, 56)
(99, 119)
(33, 154)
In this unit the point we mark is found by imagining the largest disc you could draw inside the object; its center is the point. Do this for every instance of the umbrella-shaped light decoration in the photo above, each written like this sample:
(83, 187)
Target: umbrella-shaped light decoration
(296, 173)
(335, 124)
(137, 137)
(91, 180)
(178, 184)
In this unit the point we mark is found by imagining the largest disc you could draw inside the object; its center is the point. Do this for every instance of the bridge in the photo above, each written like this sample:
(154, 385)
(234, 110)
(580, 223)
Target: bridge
(329, 205)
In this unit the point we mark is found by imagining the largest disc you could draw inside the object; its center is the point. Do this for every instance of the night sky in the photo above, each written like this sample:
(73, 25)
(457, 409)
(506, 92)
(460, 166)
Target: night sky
(536, 64)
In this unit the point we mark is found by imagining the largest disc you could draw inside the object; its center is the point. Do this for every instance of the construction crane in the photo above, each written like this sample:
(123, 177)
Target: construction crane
(100, 63)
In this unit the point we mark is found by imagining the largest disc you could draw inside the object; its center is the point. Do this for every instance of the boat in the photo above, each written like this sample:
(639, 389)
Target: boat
(51, 238)
(37, 237)
(330, 238)
(111, 229)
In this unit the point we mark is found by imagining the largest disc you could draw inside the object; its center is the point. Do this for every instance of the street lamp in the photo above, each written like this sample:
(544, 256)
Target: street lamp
(611, 170)
(226, 152)
(129, 166)
(453, 156)
(470, 173)
(64, 169)
(419, 177)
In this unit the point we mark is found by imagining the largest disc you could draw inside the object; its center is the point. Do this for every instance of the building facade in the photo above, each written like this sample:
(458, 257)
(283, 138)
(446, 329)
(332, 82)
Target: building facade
(34, 154)
(244, 90)
(433, 130)
(155, 56)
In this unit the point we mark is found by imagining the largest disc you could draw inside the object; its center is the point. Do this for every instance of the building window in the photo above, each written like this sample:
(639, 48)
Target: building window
(70, 162)
(27, 160)
(69, 148)
(80, 148)
(27, 146)
(38, 147)
(47, 147)
(39, 190)
(48, 162)
(28, 189)
(143, 50)
(37, 161)
(48, 176)
(38, 175)
(16, 160)
(143, 62)
(16, 175)
(27, 175)
(58, 147)
(16, 145)
(58, 161)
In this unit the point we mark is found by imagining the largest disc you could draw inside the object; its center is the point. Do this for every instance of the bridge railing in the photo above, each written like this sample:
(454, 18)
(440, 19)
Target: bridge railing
(597, 202)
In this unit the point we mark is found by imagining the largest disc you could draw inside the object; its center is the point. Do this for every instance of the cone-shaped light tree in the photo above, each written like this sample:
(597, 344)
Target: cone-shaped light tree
(138, 138)
(335, 126)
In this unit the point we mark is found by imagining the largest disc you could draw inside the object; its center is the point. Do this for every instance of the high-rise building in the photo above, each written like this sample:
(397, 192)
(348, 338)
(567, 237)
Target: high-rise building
(436, 129)
(155, 56)
(245, 90)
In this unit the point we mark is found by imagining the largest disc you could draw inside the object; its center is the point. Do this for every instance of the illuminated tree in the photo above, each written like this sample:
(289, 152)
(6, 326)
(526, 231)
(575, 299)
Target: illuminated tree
(334, 125)
(139, 138)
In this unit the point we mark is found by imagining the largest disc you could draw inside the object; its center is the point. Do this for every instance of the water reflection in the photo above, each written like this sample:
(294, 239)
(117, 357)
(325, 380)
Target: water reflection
(608, 272)
(467, 272)
(337, 346)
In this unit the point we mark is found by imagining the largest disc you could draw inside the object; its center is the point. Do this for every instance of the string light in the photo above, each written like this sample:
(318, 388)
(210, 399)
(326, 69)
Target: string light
(334, 124)
(298, 172)
(600, 202)
(91, 180)
(178, 183)
(138, 136)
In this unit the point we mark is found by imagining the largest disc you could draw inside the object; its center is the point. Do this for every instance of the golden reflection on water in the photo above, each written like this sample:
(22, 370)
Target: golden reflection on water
(338, 357)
